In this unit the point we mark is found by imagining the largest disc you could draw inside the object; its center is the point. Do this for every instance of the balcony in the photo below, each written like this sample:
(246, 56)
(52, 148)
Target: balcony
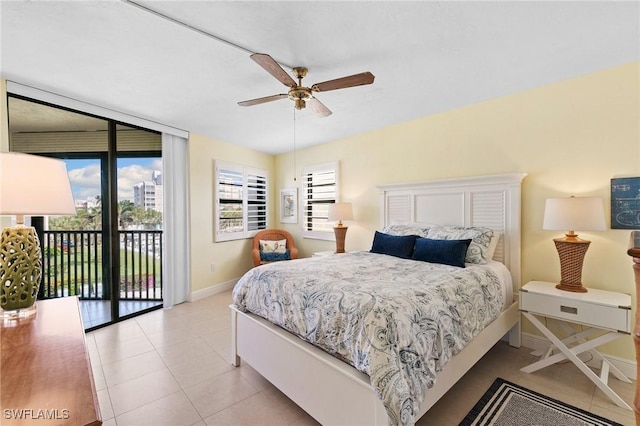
(73, 266)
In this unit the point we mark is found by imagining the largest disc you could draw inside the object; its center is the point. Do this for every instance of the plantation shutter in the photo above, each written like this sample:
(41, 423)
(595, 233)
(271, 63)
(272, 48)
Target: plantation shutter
(320, 189)
(241, 195)
(256, 200)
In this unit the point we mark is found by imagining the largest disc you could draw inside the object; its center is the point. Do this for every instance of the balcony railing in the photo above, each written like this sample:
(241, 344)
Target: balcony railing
(72, 265)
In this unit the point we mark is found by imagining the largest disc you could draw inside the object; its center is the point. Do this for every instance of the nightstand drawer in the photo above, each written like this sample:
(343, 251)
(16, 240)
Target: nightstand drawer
(577, 311)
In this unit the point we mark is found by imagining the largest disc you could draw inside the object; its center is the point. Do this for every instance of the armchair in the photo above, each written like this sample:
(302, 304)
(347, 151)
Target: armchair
(272, 235)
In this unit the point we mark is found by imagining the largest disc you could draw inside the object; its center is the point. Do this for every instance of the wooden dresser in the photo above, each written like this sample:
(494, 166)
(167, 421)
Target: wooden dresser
(634, 252)
(45, 373)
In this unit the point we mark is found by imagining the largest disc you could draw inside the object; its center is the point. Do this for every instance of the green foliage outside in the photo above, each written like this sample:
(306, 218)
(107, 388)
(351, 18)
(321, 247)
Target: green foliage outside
(91, 218)
(70, 267)
(77, 266)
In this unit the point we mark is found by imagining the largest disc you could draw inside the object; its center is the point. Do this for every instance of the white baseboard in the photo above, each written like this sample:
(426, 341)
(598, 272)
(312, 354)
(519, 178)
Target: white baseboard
(628, 367)
(210, 291)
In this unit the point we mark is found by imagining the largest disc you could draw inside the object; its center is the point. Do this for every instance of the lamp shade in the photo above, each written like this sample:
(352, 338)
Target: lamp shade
(574, 214)
(340, 212)
(32, 185)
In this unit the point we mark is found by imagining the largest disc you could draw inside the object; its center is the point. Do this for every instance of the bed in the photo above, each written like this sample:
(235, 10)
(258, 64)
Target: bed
(326, 385)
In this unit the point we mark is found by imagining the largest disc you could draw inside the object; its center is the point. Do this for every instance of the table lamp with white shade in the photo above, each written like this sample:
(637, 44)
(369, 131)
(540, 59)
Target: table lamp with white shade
(30, 185)
(339, 212)
(573, 214)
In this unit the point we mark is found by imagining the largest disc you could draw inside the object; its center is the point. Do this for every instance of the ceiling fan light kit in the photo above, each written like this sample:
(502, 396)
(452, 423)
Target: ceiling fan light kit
(299, 94)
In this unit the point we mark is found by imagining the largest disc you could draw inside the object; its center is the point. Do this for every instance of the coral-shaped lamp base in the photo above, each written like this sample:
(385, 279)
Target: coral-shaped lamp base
(20, 270)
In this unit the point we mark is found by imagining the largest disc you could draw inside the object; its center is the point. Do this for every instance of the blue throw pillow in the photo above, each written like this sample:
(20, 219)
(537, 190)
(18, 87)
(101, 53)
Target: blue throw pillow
(274, 257)
(393, 245)
(447, 252)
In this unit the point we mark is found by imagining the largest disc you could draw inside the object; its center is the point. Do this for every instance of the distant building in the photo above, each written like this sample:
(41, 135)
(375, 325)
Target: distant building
(89, 203)
(149, 194)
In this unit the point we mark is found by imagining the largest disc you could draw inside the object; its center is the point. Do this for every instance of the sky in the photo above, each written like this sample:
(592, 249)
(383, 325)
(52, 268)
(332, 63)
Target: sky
(85, 176)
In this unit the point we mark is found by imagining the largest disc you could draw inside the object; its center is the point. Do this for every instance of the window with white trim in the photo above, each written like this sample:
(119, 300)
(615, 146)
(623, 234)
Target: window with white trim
(241, 201)
(319, 190)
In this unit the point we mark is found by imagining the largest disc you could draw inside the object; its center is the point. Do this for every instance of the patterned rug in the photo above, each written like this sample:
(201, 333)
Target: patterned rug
(507, 404)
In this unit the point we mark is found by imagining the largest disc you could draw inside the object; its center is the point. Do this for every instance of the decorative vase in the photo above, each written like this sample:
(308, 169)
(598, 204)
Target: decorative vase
(20, 269)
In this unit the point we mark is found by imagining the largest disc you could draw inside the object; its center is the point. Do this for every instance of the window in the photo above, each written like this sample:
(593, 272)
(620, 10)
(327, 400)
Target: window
(241, 208)
(319, 189)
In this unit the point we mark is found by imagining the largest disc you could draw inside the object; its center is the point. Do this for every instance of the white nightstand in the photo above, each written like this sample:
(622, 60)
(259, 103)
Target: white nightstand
(598, 310)
(323, 253)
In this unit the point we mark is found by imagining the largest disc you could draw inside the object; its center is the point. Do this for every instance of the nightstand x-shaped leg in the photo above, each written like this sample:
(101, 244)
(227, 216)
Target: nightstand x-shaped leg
(582, 337)
(572, 355)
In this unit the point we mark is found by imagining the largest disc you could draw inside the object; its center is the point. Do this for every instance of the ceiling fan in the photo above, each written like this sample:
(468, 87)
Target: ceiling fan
(300, 94)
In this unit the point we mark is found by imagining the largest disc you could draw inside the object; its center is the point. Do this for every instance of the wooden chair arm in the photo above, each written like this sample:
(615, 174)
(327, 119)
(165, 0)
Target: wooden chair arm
(293, 252)
(255, 253)
(634, 252)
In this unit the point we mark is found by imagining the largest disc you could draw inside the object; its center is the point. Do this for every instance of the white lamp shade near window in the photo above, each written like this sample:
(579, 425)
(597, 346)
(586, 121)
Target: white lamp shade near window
(574, 214)
(32, 185)
(340, 211)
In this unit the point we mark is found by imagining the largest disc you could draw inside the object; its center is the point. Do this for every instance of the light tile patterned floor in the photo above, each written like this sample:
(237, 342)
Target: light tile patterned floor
(98, 312)
(172, 367)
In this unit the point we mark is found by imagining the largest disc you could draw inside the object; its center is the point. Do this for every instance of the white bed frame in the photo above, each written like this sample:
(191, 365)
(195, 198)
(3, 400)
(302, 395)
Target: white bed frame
(335, 393)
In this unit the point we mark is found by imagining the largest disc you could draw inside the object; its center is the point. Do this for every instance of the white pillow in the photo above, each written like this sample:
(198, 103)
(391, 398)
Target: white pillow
(402, 229)
(279, 246)
(478, 251)
(493, 244)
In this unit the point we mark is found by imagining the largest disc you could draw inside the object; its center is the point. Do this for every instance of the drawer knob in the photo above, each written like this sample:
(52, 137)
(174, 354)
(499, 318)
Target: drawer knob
(568, 310)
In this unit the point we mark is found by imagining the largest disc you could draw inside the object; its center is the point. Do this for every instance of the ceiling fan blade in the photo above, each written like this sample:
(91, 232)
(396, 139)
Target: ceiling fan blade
(263, 100)
(273, 68)
(318, 107)
(344, 82)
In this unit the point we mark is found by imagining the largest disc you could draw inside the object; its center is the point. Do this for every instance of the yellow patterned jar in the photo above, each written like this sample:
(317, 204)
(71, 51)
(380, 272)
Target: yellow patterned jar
(20, 267)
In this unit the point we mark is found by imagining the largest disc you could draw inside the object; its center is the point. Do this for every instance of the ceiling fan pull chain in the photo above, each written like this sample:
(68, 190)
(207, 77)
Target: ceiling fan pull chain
(294, 145)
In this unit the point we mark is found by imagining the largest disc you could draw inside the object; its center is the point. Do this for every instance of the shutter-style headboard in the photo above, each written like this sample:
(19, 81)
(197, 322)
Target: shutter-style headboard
(491, 200)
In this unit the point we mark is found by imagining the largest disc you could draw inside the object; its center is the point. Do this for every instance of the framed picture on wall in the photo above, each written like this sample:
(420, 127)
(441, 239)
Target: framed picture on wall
(289, 205)
(625, 203)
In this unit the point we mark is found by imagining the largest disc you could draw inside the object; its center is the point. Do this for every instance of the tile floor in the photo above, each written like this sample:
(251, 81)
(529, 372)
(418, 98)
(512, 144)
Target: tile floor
(172, 367)
(98, 312)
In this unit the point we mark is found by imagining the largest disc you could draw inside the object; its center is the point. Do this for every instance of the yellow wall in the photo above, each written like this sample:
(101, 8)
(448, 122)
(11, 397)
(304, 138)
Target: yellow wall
(570, 137)
(231, 258)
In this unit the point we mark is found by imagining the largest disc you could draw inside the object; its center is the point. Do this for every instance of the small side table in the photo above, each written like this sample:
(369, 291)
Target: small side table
(598, 310)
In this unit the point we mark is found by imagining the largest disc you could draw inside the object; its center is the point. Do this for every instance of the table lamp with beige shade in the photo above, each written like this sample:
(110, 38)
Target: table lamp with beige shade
(30, 185)
(339, 212)
(573, 214)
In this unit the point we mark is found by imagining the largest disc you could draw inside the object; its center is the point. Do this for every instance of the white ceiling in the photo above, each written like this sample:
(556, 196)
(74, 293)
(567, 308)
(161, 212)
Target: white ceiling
(427, 57)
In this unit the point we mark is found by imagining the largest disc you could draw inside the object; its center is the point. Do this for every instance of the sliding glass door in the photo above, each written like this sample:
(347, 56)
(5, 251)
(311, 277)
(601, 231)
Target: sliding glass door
(110, 253)
(139, 220)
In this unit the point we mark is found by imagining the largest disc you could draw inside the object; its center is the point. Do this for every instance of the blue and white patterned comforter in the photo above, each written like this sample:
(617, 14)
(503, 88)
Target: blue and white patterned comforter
(397, 320)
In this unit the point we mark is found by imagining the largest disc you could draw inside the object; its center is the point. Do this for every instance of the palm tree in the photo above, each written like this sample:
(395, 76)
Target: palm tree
(151, 219)
(126, 213)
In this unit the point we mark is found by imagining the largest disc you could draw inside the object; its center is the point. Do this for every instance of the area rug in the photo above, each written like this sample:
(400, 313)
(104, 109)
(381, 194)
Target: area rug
(507, 404)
